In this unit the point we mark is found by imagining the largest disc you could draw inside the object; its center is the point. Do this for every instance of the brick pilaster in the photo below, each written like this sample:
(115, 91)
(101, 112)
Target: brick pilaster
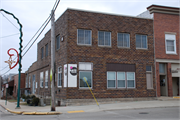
(158, 80)
(169, 80)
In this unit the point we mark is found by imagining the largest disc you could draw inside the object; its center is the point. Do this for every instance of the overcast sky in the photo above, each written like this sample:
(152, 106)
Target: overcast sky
(32, 13)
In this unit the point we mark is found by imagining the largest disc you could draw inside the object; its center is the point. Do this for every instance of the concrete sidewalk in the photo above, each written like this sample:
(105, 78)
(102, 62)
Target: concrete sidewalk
(161, 102)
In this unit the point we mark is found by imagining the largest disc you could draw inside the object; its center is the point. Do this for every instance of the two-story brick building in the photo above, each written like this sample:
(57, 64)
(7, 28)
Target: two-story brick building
(166, 35)
(114, 53)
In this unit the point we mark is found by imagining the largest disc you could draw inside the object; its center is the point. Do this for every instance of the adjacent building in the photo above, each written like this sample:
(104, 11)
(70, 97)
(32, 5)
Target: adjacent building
(112, 54)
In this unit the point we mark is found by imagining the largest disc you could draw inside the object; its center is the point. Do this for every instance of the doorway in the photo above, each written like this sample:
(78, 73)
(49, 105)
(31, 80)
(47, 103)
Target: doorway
(175, 83)
(163, 85)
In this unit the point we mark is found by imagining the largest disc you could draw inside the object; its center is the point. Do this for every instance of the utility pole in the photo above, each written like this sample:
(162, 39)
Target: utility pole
(0, 87)
(52, 61)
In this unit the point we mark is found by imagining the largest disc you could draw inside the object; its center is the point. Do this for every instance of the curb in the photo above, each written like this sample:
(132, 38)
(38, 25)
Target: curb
(31, 113)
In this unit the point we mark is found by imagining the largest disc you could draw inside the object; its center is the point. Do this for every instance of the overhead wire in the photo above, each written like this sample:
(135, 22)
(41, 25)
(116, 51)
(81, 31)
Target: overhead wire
(54, 8)
(9, 21)
(10, 35)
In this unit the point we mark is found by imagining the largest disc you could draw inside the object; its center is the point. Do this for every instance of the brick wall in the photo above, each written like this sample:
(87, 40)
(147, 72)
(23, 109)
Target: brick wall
(16, 78)
(165, 23)
(99, 56)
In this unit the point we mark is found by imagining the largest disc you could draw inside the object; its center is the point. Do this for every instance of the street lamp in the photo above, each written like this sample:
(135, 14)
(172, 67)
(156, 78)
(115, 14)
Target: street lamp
(20, 57)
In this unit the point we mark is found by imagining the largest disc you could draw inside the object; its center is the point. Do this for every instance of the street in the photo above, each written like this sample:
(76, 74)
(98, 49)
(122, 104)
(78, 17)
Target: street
(167, 113)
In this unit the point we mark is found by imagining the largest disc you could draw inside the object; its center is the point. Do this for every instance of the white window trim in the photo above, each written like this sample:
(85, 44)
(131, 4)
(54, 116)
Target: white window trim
(104, 39)
(86, 63)
(141, 41)
(119, 80)
(123, 39)
(115, 80)
(126, 80)
(46, 78)
(134, 80)
(169, 52)
(41, 80)
(59, 72)
(90, 39)
(91, 79)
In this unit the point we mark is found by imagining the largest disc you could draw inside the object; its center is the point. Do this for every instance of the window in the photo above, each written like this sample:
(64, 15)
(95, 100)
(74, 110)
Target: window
(149, 78)
(85, 74)
(162, 68)
(59, 77)
(123, 80)
(46, 79)
(42, 52)
(130, 80)
(123, 40)
(104, 38)
(46, 50)
(111, 79)
(170, 43)
(141, 41)
(57, 42)
(41, 79)
(84, 37)
(29, 81)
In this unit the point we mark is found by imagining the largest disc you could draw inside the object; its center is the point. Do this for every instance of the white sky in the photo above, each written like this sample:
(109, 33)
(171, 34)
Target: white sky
(33, 13)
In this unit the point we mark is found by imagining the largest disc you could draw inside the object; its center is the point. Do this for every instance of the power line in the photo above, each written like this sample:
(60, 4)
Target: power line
(9, 21)
(54, 8)
(9, 35)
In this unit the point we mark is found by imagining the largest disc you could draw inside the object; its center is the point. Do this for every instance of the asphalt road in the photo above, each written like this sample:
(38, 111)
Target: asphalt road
(168, 113)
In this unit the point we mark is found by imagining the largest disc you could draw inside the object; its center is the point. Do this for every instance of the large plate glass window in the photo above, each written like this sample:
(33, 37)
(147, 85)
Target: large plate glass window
(85, 74)
(41, 79)
(46, 79)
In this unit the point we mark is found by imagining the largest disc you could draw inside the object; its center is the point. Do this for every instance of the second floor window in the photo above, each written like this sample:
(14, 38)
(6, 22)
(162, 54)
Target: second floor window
(123, 40)
(46, 50)
(104, 38)
(84, 37)
(57, 42)
(170, 43)
(141, 41)
(42, 52)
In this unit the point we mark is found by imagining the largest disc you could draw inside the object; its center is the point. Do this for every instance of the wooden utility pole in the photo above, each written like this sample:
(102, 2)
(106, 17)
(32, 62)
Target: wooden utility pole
(52, 61)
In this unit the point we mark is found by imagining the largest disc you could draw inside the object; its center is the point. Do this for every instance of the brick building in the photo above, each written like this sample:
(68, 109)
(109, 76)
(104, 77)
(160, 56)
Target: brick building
(166, 34)
(15, 85)
(114, 53)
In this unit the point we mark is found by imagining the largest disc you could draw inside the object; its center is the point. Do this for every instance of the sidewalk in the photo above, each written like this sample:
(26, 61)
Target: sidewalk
(161, 102)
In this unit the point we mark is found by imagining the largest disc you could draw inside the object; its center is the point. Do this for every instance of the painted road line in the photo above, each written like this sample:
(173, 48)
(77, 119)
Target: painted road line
(79, 111)
(177, 97)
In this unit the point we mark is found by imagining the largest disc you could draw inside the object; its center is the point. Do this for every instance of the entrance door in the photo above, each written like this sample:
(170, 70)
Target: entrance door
(163, 85)
(175, 82)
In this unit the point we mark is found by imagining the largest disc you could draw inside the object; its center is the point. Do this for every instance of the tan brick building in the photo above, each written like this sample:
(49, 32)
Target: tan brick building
(114, 53)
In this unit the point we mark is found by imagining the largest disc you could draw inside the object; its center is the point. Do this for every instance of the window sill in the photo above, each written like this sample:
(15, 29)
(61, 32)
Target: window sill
(120, 88)
(46, 87)
(124, 47)
(105, 46)
(141, 49)
(59, 86)
(171, 53)
(89, 45)
(85, 89)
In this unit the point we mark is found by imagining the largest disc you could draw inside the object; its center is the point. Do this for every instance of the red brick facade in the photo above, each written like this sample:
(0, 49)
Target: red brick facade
(15, 88)
(166, 21)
